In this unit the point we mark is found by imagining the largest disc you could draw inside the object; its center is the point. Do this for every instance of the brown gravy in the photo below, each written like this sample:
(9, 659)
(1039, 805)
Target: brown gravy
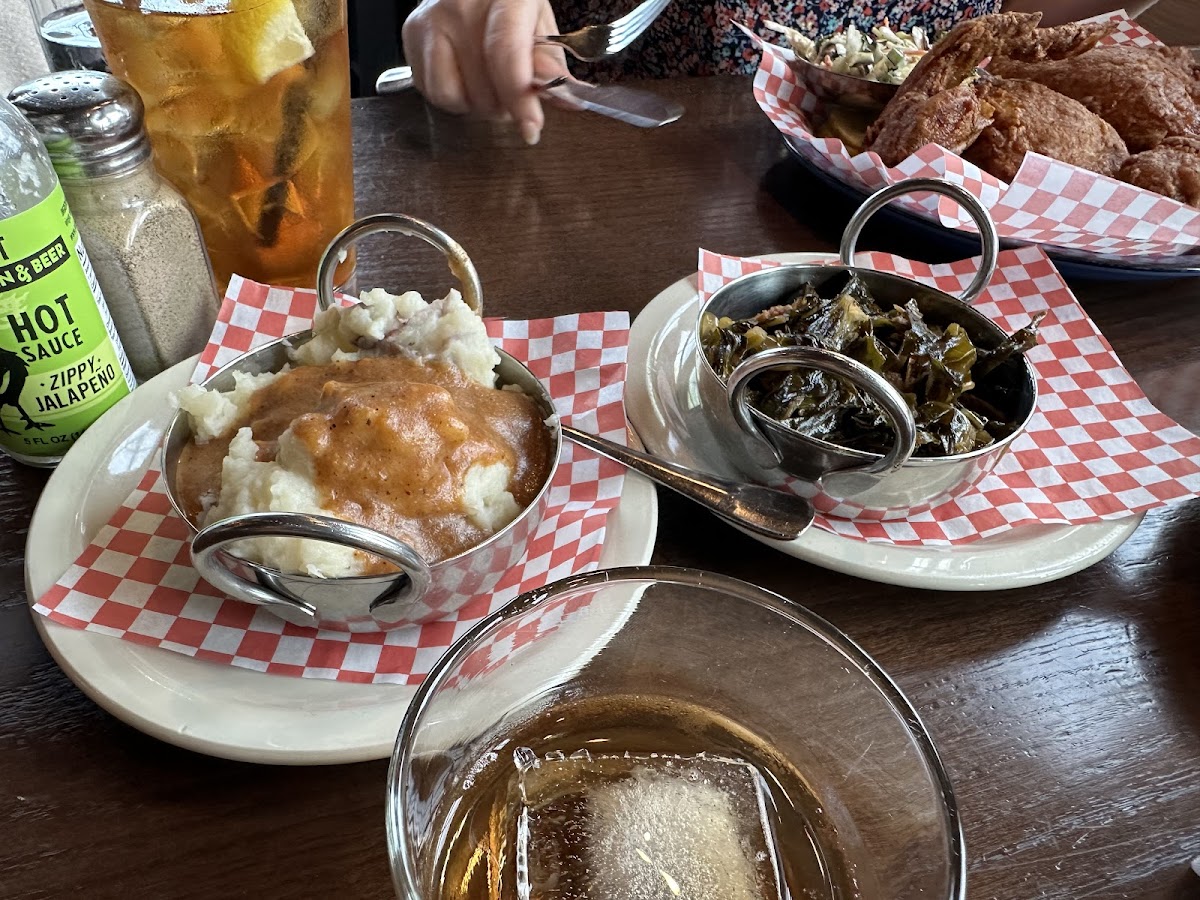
(391, 441)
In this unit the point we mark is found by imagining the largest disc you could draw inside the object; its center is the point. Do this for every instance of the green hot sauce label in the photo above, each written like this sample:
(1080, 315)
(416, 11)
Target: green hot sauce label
(61, 362)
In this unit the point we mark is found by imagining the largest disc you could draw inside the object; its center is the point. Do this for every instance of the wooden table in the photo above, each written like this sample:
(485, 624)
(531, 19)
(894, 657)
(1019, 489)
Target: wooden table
(1068, 715)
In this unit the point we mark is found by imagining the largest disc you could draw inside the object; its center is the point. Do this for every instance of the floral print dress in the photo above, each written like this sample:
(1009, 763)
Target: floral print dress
(698, 37)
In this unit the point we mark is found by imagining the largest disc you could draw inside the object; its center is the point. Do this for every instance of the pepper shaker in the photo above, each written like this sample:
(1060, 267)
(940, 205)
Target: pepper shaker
(143, 238)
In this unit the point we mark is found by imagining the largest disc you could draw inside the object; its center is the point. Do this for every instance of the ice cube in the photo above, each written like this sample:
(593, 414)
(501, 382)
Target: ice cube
(193, 112)
(330, 95)
(644, 827)
(321, 18)
(264, 204)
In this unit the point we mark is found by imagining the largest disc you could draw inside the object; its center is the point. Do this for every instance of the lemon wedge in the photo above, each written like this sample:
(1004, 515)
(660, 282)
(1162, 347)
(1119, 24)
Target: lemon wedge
(267, 39)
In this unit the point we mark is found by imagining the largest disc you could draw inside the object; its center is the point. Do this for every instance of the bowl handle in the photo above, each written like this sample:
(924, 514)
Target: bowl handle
(863, 377)
(460, 264)
(965, 199)
(207, 559)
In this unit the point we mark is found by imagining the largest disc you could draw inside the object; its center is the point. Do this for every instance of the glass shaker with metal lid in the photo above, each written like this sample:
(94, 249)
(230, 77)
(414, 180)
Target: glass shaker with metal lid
(143, 238)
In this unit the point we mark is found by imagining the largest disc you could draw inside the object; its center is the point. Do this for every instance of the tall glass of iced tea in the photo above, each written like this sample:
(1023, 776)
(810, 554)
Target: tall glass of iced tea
(248, 110)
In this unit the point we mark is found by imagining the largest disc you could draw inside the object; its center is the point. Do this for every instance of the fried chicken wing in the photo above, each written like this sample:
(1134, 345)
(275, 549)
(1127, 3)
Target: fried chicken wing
(1171, 169)
(952, 118)
(1031, 117)
(939, 101)
(933, 104)
(1146, 94)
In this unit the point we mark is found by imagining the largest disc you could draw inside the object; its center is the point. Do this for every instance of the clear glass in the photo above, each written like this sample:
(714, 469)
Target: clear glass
(786, 678)
(68, 39)
(248, 112)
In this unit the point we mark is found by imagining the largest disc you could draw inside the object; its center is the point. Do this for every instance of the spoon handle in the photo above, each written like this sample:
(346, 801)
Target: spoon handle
(774, 514)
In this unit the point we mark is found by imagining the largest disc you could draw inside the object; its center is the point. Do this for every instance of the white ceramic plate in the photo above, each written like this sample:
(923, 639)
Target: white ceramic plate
(223, 710)
(663, 403)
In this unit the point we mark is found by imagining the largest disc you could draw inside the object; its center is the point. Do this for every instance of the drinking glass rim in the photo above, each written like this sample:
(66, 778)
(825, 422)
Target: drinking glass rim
(404, 879)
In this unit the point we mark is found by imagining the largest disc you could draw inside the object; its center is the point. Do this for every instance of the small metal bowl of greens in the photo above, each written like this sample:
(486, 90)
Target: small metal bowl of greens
(872, 394)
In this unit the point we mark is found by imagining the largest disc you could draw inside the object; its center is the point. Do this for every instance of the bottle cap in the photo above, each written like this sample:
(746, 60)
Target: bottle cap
(90, 122)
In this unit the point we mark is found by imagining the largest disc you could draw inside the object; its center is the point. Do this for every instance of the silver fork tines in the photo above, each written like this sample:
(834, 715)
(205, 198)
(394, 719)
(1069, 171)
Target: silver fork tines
(596, 42)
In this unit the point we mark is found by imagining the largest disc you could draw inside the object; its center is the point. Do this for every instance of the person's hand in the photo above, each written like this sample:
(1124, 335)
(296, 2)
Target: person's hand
(478, 56)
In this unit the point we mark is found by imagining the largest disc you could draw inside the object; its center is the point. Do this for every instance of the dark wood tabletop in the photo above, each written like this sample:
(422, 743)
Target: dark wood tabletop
(1068, 715)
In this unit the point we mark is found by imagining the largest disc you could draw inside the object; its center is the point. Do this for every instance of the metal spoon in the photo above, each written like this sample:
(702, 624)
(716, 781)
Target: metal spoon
(771, 513)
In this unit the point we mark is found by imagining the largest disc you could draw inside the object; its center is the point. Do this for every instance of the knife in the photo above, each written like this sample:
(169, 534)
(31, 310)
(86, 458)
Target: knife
(636, 107)
(393, 81)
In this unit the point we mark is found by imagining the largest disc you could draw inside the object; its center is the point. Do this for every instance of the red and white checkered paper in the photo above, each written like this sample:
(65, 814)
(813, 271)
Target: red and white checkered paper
(135, 580)
(1096, 447)
(1049, 202)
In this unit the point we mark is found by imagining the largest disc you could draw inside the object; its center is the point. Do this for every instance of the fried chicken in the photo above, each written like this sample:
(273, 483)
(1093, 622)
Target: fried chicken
(952, 118)
(939, 102)
(1061, 41)
(1171, 169)
(1147, 94)
(1030, 117)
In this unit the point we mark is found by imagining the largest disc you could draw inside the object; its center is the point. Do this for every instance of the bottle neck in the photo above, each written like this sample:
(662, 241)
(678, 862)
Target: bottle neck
(26, 176)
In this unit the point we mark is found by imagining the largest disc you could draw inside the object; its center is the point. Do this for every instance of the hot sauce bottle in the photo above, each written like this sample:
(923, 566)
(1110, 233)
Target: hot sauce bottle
(61, 362)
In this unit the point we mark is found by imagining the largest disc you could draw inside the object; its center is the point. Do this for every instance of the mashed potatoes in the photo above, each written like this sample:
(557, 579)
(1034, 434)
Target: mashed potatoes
(389, 417)
(384, 324)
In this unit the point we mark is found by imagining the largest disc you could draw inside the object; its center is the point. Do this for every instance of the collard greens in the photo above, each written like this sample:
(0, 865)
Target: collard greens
(959, 394)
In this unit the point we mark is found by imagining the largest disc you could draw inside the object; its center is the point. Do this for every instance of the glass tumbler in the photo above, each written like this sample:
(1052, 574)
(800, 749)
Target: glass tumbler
(587, 676)
(248, 112)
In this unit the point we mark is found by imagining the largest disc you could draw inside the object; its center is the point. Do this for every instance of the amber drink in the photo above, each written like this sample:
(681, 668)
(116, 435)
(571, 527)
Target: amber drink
(248, 110)
(638, 798)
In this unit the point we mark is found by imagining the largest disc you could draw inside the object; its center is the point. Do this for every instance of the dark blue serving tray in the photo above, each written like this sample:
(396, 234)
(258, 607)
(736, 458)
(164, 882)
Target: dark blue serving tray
(942, 244)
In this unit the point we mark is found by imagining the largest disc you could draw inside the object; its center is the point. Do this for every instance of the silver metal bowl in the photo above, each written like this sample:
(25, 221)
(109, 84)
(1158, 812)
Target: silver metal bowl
(418, 590)
(841, 89)
(835, 478)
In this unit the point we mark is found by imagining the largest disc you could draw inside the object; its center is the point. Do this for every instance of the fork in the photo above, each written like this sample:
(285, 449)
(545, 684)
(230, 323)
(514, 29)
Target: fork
(589, 44)
(596, 42)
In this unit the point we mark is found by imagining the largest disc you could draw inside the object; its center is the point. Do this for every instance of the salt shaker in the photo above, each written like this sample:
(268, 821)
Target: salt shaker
(143, 238)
